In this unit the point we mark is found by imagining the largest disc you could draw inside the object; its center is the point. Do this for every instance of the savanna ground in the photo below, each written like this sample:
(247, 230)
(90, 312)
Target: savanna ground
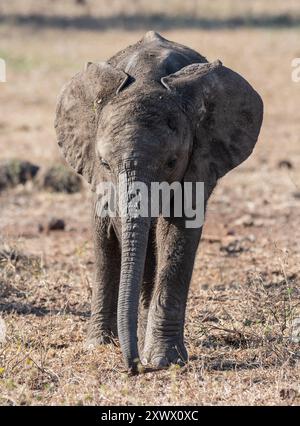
(244, 297)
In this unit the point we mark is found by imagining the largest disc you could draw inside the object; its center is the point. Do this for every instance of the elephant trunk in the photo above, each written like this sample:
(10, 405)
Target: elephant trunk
(135, 232)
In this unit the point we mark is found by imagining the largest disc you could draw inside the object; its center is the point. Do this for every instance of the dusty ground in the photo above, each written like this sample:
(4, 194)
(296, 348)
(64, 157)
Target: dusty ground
(245, 291)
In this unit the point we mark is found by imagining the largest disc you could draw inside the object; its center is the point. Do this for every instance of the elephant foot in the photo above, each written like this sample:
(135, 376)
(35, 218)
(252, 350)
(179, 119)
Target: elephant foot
(99, 339)
(162, 357)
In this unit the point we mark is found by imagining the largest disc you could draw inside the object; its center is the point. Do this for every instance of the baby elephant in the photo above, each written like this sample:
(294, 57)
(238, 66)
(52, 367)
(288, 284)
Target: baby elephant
(156, 112)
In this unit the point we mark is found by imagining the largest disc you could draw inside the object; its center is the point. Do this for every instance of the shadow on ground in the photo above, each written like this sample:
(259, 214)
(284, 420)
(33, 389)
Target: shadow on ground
(39, 311)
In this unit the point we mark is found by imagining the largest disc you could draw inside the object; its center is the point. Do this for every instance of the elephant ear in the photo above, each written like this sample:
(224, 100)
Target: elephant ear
(77, 114)
(226, 113)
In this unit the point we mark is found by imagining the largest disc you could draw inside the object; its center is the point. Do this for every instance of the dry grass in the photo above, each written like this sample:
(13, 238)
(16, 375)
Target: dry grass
(245, 289)
(200, 8)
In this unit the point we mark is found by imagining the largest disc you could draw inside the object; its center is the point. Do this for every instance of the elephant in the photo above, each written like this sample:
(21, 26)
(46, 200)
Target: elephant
(157, 111)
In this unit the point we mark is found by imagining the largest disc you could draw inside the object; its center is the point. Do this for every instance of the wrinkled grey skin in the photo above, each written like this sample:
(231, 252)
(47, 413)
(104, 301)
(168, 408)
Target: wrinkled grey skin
(156, 111)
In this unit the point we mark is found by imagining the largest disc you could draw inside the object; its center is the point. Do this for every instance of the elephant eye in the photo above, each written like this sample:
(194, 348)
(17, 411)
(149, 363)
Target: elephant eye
(171, 124)
(104, 163)
(172, 163)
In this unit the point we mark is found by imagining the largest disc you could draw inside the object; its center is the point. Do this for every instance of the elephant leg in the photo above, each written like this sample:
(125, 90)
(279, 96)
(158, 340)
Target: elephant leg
(146, 291)
(103, 321)
(177, 246)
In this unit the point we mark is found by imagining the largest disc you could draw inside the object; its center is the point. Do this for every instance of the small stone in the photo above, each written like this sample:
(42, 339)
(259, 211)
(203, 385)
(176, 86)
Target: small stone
(295, 335)
(234, 247)
(245, 220)
(285, 164)
(41, 227)
(296, 194)
(56, 225)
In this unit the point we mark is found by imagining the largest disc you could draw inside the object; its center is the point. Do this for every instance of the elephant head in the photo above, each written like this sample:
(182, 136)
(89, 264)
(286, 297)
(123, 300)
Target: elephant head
(195, 124)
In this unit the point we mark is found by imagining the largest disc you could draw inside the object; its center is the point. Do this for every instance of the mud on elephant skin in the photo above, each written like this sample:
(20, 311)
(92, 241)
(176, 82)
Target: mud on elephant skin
(156, 111)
